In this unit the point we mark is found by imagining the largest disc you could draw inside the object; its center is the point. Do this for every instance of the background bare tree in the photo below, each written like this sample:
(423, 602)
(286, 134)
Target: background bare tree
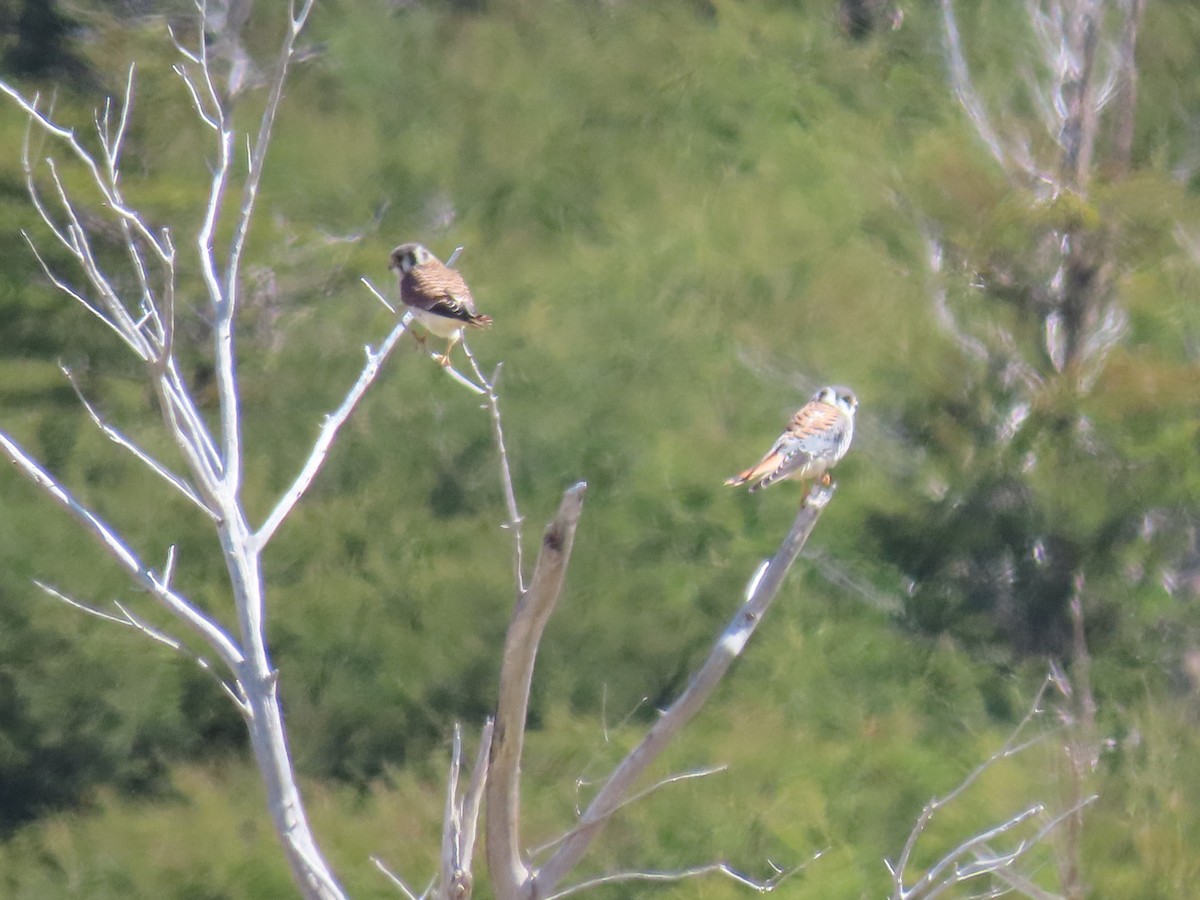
(1085, 67)
(1036, 321)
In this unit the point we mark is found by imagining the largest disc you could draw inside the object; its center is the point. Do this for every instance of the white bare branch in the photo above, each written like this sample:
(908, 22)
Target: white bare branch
(1007, 156)
(258, 156)
(128, 619)
(82, 251)
(973, 857)
(193, 91)
(1013, 879)
(378, 296)
(461, 819)
(991, 863)
(931, 884)
(73, 294)
(208, 629)
(970, 345)
(100, 614)
(329, 432)
(452, 824)
(472, 802)
(459, 376)
(67, 136)
(398, 882)
(146, 459)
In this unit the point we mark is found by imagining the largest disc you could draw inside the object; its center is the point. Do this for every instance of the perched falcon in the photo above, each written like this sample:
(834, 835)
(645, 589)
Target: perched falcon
(816, 438)
(437, 295)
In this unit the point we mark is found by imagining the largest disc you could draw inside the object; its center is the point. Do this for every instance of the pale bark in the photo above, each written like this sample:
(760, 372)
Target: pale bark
(513, 878)
(145, 324)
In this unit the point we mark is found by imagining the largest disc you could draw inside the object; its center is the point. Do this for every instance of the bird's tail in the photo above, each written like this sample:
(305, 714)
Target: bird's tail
(480, 321)
(764, 468)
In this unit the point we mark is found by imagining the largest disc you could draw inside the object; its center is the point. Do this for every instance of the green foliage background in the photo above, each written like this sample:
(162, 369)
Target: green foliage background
(684, 217)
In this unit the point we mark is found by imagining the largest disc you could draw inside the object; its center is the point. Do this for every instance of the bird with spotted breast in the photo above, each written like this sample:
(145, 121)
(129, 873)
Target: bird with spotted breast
(437, 295)
(818, 435)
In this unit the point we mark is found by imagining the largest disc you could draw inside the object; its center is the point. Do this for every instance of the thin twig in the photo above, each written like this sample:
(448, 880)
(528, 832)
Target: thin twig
(395, 879)
(150, 462)
(81, 249)
(513, 524)
(258, 156)
(128, 620)
(640, 795)
(762, 887)
(931, 880)
(67, 136)
(988, 866)
(75, 295)
(1011, 747)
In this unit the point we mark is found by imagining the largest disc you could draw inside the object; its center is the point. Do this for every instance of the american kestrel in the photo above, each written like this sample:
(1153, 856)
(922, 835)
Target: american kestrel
(816, 438)
(437, 295)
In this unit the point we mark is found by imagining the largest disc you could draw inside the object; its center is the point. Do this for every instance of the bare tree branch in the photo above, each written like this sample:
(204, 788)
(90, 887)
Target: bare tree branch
(329, 432)
(145, 458)
(760, 593)
(988, 864)
(1013, 879)
(954, 868)
(472, 802)
(67, 136)
(964, 88)
(1011, 747)
(262, 142)
(127, 619)
(397, 881)
(462, 819)
(146, 325)
(639, 796)
(761, 887)
(509, 873)
(212, 633)
(1081, 747)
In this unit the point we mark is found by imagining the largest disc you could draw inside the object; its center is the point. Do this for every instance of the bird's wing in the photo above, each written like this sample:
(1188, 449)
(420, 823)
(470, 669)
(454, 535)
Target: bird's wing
(440, 290)
(817, 431)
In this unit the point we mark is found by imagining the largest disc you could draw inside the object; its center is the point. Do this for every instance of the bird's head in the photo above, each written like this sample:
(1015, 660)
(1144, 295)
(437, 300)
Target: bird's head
(841, 397)
(406, 256)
